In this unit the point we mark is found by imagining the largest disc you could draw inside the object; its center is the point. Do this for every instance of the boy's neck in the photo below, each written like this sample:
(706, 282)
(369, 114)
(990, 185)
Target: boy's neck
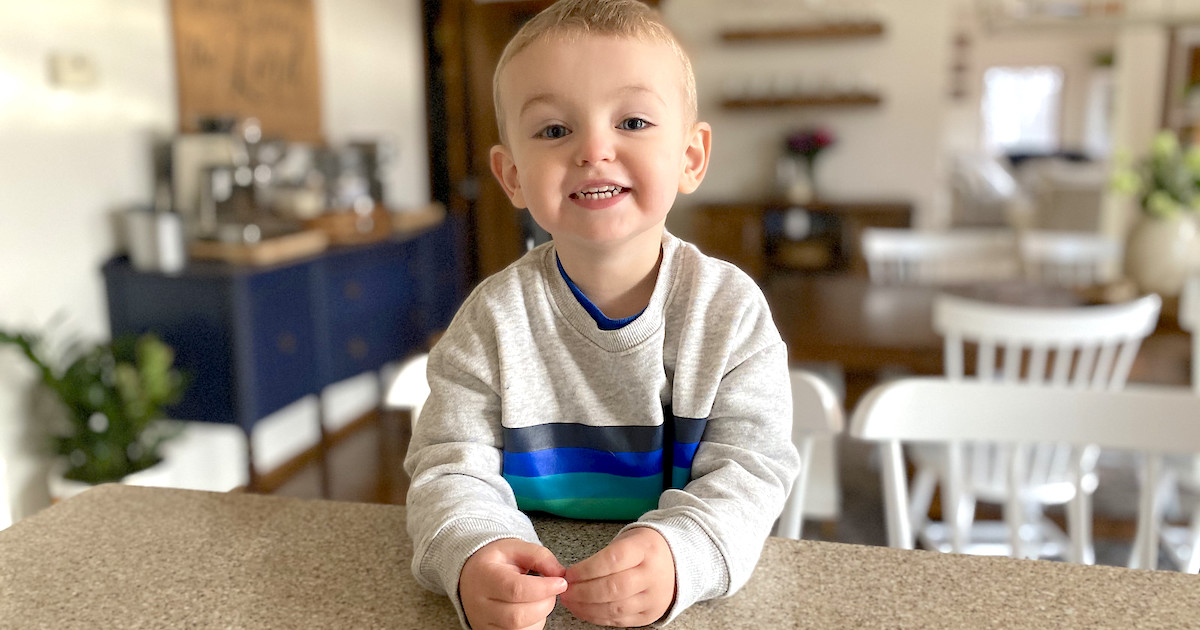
(619, 283)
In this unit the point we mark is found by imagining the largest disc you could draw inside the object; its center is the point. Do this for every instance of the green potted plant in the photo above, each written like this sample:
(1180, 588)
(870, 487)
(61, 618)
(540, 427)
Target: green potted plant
(1161, 248)
(111, 396)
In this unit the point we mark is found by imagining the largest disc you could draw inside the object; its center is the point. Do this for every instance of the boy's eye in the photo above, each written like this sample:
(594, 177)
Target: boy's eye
(553, 132)
(633, 124)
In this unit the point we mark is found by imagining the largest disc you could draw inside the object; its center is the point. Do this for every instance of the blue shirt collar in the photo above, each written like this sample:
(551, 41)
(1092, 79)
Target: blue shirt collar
(603, 321)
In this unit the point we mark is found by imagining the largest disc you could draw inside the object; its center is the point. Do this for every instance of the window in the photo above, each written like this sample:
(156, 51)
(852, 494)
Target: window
(1021, 107)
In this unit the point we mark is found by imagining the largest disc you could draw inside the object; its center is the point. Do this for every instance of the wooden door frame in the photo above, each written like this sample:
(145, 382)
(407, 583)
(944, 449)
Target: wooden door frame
(463, 42)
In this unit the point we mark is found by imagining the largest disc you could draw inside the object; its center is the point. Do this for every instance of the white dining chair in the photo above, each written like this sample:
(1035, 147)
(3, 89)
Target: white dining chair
(1086, 347)
(940, 410)
(926, 257)
(1178, 474)
(1071, 259)
(409, 387)
(816, 413)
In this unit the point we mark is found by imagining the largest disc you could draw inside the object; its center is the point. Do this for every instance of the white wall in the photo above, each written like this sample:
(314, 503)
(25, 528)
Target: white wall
(887, 153)
(69, 158)
(1071, 49)
(1140, 82)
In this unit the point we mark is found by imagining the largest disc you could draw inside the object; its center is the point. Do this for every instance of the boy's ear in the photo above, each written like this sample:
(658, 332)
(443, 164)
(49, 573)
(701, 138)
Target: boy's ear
(505, 170)
(695, 157)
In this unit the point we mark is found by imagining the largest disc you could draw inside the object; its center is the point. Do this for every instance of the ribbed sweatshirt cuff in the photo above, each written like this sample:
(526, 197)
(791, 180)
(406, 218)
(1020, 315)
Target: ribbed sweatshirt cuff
(700, 570)
(461, 538)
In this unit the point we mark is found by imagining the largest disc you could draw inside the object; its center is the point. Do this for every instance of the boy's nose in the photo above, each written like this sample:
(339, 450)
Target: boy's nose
(594, 146)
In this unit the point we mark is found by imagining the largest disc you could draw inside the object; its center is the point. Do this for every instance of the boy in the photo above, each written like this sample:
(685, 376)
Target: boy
(613, 373)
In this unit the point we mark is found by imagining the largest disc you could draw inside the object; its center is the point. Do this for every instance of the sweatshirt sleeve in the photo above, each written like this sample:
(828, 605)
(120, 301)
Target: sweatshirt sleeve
(458, 500)
(741, 475)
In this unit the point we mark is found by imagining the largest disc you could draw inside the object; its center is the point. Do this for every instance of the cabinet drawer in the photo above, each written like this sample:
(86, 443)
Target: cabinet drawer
(279, 329)
(368, 301)
(436, 279)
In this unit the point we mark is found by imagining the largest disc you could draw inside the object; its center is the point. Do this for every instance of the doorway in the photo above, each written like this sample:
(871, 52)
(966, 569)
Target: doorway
(463, 42)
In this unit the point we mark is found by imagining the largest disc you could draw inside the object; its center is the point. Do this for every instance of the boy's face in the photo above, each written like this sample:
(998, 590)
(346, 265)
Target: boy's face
(598, 146)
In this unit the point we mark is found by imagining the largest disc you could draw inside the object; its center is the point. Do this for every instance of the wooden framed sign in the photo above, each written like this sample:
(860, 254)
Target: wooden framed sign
(242, 58)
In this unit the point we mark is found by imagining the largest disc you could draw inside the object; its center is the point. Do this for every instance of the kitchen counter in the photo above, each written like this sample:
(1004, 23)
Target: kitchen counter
(129, 557)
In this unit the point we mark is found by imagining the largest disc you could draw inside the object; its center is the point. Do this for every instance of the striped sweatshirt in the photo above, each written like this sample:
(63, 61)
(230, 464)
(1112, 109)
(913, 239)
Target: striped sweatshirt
(679, 421)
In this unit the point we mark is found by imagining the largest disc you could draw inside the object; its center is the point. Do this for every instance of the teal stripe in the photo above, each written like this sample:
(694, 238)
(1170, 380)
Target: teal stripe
(585, 485)
(680, 476)
(609, 509)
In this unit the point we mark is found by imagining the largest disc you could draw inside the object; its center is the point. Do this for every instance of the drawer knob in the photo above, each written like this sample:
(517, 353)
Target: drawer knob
(357, 348)
(286, 343)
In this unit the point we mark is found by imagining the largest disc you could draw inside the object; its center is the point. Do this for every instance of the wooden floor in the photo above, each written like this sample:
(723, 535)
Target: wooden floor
(365, 464)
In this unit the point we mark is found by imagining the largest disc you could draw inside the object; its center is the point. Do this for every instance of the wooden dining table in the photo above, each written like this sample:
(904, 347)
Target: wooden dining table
(871, 329)
(130, 557)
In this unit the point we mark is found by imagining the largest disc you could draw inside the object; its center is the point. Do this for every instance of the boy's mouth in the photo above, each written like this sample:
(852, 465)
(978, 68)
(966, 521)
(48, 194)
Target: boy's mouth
(597, 193)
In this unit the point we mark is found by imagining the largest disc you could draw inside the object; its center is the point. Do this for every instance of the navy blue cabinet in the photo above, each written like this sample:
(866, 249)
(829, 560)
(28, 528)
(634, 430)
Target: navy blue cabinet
(255, 339)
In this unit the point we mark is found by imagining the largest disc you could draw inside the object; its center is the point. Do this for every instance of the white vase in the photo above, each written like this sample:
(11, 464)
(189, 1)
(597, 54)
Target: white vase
(61, 488)
(794, 180)
(1160, 252)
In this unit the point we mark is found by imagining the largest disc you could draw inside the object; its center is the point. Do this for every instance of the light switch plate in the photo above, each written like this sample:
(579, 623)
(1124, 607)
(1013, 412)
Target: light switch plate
(72, 70)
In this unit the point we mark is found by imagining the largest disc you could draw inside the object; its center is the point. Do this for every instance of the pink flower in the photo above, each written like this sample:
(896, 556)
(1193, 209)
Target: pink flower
(809, 141)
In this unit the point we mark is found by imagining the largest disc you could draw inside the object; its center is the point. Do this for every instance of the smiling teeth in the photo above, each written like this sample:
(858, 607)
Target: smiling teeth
(598, 192)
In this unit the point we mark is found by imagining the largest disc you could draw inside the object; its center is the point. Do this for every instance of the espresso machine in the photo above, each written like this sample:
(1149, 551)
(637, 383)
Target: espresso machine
(220, 180)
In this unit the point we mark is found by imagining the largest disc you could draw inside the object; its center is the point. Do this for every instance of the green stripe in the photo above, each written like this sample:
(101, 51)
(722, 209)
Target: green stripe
(609, 509)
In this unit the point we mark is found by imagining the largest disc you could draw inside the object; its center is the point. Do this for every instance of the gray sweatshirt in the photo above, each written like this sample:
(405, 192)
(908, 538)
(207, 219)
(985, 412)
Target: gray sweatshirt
(679, 421)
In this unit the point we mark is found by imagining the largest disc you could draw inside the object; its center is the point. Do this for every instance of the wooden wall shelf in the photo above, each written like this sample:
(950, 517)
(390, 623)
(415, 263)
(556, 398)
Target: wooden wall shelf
(850, 30)
(815, 100)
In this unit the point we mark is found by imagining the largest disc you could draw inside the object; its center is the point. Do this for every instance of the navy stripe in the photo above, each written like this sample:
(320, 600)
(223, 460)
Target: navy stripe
(627, 439)
(689, 430)
(556, 461)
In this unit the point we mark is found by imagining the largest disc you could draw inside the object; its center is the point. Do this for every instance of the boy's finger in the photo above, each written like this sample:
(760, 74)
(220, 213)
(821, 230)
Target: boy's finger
(520, 616)
(540, 559)
(523, 589)
(605, 590)
(616, 557)
(631, 612)
(537, 558)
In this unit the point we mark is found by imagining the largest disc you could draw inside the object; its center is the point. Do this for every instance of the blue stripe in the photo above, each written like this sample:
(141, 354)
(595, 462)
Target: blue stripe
(585, 485)
(554, 461)
(684, 454)
(621, 439)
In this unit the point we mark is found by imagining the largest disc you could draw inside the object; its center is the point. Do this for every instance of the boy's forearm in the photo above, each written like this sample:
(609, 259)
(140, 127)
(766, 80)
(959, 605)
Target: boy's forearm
(741, 475)
(458, 500)
(451, 515)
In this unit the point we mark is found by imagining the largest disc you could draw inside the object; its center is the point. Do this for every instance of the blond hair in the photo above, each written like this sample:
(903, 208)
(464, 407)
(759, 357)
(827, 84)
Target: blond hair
(574, 18)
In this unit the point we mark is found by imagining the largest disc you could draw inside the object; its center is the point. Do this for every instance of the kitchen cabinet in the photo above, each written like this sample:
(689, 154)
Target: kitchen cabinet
(255, 339)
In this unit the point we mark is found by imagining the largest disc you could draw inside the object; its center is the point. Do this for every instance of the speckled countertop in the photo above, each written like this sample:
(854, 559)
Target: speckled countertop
(128, 557)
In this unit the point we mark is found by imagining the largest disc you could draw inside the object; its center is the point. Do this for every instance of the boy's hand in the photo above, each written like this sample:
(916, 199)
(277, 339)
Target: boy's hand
(497, 591)
(631, 582)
